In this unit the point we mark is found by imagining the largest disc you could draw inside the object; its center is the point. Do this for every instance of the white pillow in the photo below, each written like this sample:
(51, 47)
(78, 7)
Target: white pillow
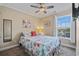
(26, 33)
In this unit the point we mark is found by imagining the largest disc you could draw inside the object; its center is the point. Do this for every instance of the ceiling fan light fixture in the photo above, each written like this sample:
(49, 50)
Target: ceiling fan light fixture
(42, 9)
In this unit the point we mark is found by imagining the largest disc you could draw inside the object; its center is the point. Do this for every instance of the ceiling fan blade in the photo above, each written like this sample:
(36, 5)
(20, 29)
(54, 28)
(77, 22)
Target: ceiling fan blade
(34, 6)
(37, 11)
(50, 7)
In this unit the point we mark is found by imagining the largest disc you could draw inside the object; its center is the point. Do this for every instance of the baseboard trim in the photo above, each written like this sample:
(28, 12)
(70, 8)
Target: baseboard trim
(69, 46)
(9, 47)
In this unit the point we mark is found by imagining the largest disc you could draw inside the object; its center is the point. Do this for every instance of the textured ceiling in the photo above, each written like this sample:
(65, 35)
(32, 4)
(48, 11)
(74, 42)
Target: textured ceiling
(25, 7)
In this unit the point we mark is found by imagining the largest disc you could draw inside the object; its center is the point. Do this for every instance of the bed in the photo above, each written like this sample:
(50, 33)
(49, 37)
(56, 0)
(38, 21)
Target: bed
(40, 45)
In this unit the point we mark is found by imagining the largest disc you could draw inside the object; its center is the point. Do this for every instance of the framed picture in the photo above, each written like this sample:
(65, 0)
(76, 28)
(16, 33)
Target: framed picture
(27, 23)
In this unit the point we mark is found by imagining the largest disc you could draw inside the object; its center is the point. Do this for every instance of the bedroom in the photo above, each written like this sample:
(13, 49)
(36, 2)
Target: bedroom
(22, 19)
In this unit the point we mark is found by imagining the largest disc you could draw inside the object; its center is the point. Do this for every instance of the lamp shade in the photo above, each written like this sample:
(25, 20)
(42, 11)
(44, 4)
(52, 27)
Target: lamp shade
(40, 29)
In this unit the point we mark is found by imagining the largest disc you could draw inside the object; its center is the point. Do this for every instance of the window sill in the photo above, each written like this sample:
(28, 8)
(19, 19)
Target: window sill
(65, 38)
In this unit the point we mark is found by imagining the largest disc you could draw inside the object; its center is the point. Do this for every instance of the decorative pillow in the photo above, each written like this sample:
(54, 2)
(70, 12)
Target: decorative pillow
(33, 33)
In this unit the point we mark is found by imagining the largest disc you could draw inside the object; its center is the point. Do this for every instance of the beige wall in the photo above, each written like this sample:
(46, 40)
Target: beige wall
(17, 27)
(50, 29)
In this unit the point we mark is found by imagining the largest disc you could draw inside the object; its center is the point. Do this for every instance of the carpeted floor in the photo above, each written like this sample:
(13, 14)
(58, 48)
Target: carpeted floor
(16, 51)
(66, 51)
(19, 51)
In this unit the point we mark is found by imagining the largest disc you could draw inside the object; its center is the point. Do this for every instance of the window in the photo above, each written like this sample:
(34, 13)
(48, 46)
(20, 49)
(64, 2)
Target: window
(63, 26)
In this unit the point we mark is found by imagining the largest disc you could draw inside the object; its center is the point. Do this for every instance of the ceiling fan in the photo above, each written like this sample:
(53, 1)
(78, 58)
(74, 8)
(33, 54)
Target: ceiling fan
(42, 8)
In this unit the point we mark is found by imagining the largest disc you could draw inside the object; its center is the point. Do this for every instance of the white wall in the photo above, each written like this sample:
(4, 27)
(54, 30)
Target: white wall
(73, 32)
(77, 37)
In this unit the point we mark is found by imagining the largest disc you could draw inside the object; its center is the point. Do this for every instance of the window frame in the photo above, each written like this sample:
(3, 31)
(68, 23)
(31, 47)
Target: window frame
(70, 25)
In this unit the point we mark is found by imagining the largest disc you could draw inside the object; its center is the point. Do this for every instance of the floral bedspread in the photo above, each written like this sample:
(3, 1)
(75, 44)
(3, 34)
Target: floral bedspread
(41, 45)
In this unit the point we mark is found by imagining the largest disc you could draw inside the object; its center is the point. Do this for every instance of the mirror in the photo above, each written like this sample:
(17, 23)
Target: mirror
(7, 30)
